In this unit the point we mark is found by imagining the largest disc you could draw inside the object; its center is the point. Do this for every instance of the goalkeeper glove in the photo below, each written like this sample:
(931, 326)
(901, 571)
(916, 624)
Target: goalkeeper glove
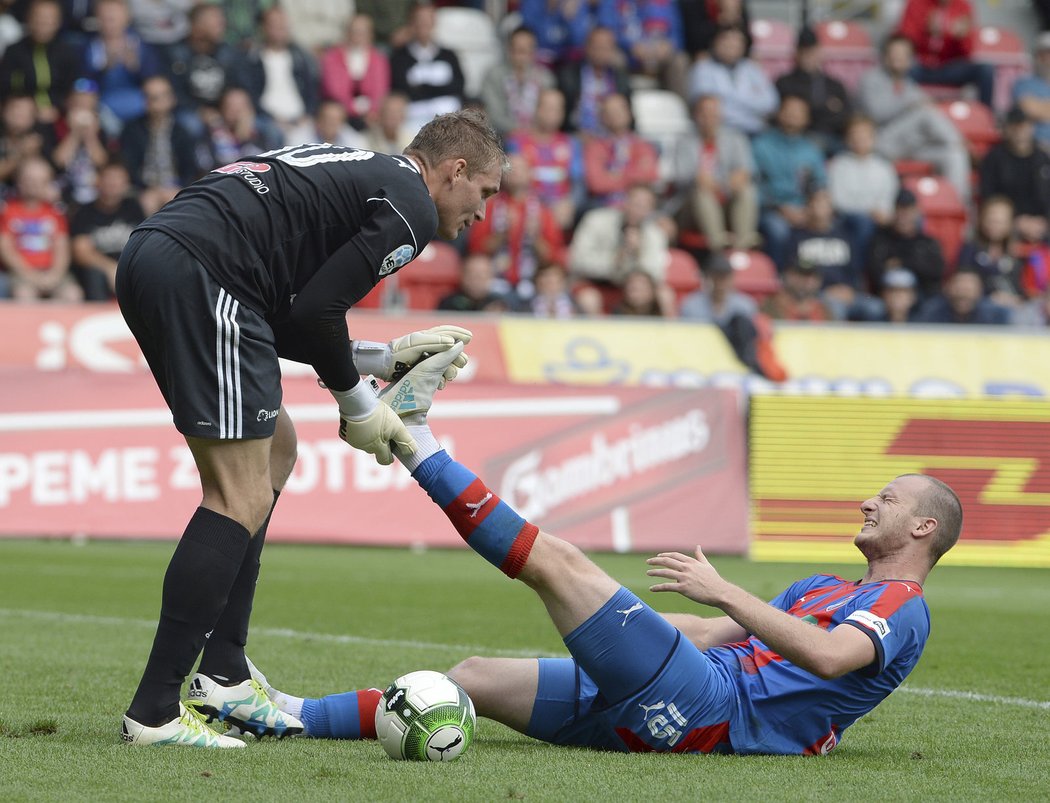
(369, 425)
(391, 361)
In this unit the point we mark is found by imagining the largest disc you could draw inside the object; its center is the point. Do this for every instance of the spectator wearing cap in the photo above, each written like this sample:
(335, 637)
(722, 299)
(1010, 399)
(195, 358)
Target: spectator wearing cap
(702, 19)
(118, 61)
(943, 33)
(902, 243)
(829, 103)
(1032, 93)
(1017, 169)
(714, 170)
(41, 64)
(993, 251)
(910, 126)
(790, 167)
(963, 302)
(748, 96)
(823, 243)
(896, 303)
(798, 298)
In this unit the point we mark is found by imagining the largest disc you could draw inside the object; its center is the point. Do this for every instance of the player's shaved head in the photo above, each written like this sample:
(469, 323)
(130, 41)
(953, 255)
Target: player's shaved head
(938, 501)
(463, 135)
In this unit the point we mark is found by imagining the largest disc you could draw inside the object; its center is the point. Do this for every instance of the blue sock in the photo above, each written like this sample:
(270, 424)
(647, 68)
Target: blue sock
(350, 715)
(488, 524)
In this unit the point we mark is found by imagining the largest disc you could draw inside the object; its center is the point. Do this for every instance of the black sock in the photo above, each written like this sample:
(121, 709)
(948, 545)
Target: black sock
(223, 658)
(196, 587)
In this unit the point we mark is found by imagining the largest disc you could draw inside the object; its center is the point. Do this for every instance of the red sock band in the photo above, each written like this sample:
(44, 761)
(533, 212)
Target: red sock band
(519, 552)
(367, 702)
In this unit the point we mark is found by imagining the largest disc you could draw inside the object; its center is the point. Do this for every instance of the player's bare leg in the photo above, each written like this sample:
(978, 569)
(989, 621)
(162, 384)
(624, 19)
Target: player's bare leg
(503, 689)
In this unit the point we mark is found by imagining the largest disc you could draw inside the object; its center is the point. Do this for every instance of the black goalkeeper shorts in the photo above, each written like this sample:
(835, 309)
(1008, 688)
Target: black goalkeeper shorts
(214, 359)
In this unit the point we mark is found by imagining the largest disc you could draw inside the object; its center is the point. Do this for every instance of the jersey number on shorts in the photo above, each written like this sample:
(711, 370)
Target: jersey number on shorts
(316, 154)
(663, 728)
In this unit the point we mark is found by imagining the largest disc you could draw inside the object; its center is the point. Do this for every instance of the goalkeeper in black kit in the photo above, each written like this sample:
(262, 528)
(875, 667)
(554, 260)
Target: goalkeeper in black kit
(261, 259)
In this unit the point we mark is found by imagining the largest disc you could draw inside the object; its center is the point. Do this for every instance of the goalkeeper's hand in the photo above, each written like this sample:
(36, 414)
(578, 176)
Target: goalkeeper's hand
(369, 425)
(391, 361)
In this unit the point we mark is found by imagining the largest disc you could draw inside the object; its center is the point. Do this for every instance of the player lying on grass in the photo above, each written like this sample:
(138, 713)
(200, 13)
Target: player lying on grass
(786, 677)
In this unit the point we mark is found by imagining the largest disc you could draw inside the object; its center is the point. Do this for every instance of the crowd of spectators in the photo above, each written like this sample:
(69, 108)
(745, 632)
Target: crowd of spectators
(110, 107)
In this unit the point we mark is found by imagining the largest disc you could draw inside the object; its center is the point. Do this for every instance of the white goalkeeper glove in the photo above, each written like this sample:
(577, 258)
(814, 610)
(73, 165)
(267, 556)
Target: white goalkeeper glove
(369, 425)
(391, 361)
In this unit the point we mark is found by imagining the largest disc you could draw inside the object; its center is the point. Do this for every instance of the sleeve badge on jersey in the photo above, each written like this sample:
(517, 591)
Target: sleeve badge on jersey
(397, 258)
(876, 624)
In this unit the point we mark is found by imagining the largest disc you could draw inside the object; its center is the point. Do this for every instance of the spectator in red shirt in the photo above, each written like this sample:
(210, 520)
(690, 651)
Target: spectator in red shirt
(356, 74)
(799, 296)
(34, 239)
(619, 158)
(518, 232)
(943, 32)
(555, 158)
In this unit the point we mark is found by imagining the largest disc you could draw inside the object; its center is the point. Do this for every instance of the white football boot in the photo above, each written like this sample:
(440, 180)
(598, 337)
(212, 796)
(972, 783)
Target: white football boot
(245, 705)
(412, 395)
(188, 729)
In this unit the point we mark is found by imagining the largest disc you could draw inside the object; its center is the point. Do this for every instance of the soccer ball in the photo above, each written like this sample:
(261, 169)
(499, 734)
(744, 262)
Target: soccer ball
(425, 716)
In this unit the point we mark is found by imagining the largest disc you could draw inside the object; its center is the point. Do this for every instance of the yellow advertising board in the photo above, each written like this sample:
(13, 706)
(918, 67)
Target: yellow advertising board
(815, 459)
(847, 359)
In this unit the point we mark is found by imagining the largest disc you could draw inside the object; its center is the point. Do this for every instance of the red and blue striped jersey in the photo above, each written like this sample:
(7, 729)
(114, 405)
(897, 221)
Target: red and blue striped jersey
(782, 708)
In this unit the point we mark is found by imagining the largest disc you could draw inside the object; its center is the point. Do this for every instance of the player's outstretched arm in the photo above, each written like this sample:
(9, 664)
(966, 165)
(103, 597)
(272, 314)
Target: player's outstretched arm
(825, 653)
(707, 632)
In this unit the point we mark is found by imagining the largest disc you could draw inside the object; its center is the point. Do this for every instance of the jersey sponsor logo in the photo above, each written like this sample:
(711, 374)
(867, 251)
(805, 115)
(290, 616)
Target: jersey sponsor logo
(876, 624)
(239, 167)
(836, 605)
(397, 258)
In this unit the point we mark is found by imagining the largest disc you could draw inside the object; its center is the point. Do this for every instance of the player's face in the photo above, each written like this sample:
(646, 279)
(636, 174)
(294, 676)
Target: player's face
(889, 518)
(461, 200)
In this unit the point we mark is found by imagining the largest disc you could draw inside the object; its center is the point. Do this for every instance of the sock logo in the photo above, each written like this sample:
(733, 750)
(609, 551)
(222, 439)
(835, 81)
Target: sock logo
(477, 506)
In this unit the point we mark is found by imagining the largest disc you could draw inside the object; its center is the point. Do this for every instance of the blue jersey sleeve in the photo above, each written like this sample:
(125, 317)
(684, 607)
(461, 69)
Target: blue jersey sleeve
(895, 618)
(790, 595)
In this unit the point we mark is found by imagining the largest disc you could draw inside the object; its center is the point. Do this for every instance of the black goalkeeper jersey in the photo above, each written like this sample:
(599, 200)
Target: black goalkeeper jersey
(302, 233)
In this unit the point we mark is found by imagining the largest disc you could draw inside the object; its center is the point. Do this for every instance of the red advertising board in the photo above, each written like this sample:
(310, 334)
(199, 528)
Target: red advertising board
(622, 468)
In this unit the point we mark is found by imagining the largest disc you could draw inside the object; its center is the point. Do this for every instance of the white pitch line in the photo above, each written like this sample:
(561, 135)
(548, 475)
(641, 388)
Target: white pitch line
(542, 407)
(335, 638)
(977, 698)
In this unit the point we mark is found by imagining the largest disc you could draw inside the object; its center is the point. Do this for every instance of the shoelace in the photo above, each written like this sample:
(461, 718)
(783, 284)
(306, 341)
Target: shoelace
(194, 720)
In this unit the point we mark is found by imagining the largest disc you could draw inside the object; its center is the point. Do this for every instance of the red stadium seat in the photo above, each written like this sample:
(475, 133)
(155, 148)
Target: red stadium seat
(1005, 49)
(432, 276)
(755, 273)
(848, 51)
(683, 273)
(909, 168)
(773, 46)
(942, 211)
(975, 122)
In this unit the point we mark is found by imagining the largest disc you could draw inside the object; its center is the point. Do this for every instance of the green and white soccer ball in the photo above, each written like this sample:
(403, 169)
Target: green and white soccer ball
(425, 716)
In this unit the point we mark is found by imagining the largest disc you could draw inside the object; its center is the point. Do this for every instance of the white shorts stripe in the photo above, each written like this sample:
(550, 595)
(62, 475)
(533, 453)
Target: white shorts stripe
(220, 373)
(238, 413)
(228, 366)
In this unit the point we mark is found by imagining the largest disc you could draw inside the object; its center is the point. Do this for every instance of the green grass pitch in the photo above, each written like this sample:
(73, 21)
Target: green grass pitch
(971, 723)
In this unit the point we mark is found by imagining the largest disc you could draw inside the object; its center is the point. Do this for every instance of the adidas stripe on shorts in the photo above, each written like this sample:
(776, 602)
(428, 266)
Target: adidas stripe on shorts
(214, 359)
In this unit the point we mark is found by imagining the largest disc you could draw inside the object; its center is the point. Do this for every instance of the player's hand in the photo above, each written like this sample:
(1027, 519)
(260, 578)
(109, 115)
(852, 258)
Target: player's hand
(692, 577)
(391, 361)
(367, 424)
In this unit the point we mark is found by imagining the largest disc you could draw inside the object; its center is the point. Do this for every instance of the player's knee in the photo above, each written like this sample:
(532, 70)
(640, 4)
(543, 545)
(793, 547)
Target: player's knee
(471, 674)
(249, 506)
(553, 558)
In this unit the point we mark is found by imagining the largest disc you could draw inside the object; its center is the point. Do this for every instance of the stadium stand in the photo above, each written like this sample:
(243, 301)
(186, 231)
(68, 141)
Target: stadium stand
(773, 46)
(755, 273)
(1004, 49)
(848, 50)
(434, 275)
(683, 274)
(472, 34)
(944, 214)
(975, 122)
(661, 117)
